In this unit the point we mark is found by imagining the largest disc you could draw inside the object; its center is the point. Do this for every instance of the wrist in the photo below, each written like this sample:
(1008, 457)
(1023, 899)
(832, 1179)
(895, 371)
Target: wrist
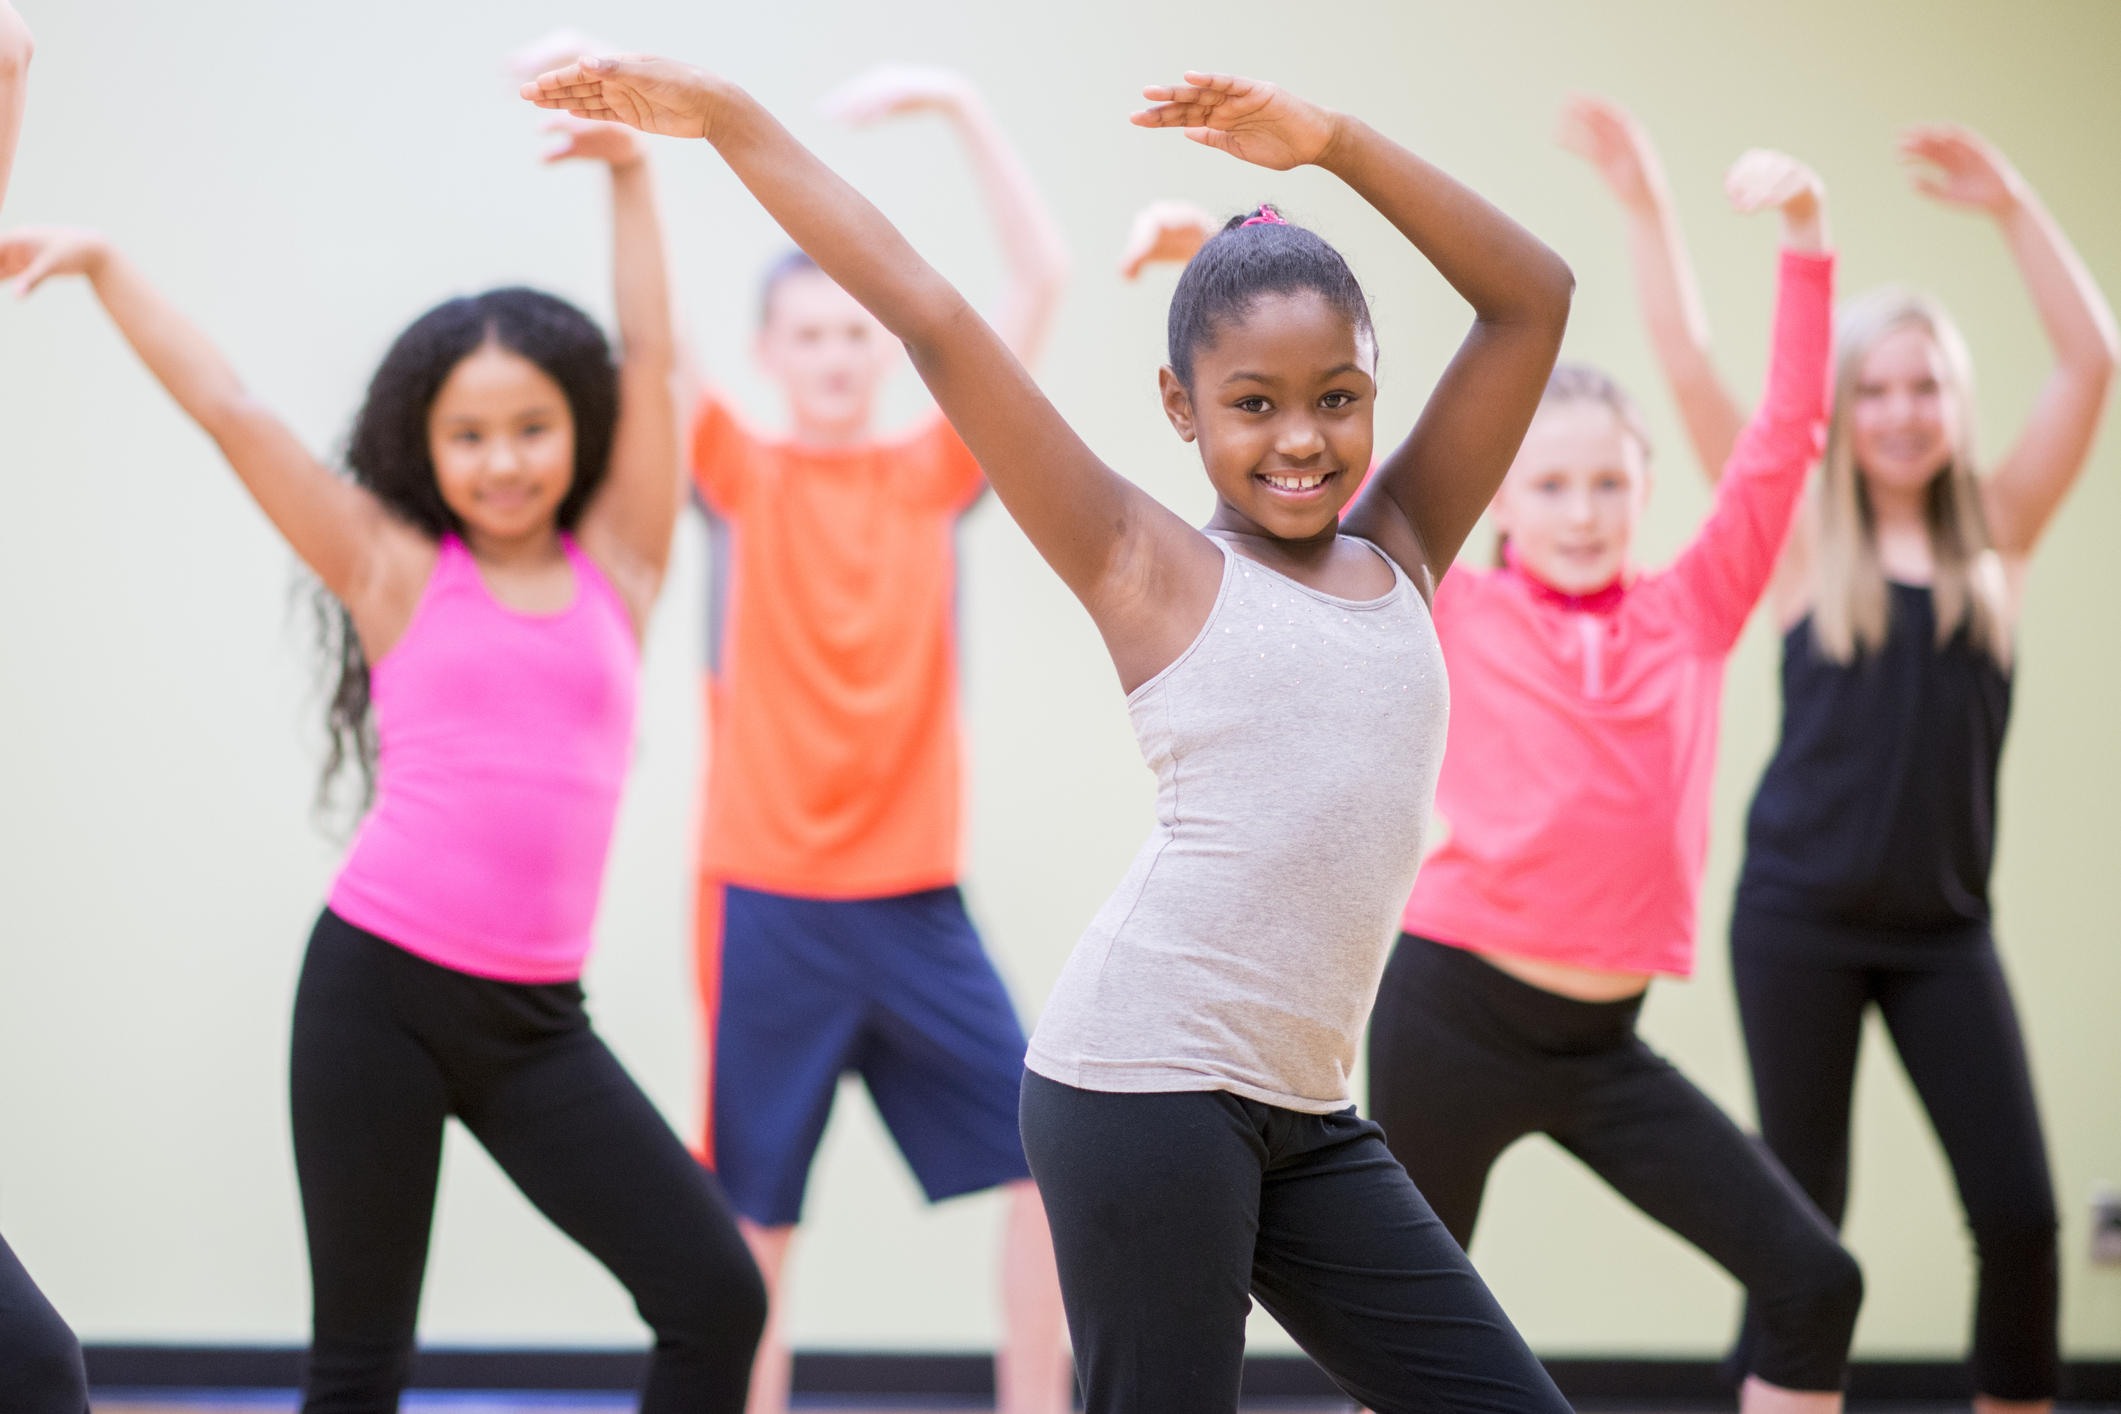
(1340, 139)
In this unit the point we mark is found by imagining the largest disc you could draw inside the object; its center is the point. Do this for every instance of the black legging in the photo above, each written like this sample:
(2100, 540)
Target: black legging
(1958, 1038)
(387, 1046)
(1170, 1211)
(40, 1361)
(1465, 1060)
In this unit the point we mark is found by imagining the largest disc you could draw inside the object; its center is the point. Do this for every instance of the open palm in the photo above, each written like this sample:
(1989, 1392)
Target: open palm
(655, 95)
(1963, 169)
(1250, 119)
(1603, 134)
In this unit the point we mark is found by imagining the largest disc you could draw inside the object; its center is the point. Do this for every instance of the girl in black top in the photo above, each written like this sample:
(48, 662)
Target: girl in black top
(1869, 844)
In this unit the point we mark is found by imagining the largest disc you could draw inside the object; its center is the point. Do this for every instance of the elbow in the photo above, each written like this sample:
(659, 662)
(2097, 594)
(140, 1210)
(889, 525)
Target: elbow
(1550, 291)
(16, 50)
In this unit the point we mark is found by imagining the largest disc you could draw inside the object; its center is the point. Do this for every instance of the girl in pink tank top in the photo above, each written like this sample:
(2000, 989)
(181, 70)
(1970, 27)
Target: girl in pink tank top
(488, 566)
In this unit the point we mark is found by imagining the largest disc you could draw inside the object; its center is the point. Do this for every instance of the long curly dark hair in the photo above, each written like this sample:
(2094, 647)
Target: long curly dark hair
(387, 453)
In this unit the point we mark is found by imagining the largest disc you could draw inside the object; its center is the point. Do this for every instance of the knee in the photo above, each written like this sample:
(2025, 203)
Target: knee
(2020, 1241)
(721, 1307)
(1810, 1318)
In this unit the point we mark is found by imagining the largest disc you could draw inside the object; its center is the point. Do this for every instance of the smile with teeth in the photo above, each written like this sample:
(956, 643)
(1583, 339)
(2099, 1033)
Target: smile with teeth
(1302, 481)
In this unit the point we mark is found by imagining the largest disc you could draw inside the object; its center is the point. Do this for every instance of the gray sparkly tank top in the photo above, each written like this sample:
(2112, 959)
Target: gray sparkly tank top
(1295, 744)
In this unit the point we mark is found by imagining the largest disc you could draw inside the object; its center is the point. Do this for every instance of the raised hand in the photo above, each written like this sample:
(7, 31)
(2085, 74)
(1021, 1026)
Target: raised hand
(30, 255)
(891, 89)
(655, 95)
(1607, 136)
(594, 142)
(1248, 118)
(1762, 178)
(1165, 232)
(1958, 166)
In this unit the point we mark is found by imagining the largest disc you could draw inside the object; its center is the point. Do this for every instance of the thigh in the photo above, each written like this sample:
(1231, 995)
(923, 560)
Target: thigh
(1366, 1279)
(1450, 1099)
(369, 1101)
(1958, 1037)
(1154, 1206)
(40, 1361)
(1803, 1028)
(943, 1053)
(1667, 1148)
(789, 1020)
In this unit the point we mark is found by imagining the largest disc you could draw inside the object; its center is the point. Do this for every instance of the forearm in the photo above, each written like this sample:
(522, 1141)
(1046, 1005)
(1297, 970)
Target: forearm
(2073, 311)
(834, 224)
(1505, 272)
(1679, 332)
(184, 361)
(1031, 239)
(640, 269)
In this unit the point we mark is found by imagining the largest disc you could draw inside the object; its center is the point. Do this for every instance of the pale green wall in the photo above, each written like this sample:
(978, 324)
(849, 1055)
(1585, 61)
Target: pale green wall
(306, 178)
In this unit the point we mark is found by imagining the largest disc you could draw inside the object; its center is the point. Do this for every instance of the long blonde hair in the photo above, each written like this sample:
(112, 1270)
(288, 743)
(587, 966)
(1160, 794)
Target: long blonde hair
(1850, 606)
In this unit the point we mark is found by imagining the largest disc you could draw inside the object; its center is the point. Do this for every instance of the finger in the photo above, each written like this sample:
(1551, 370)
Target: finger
(1932, 187)
(40, 270)
(1218, 83)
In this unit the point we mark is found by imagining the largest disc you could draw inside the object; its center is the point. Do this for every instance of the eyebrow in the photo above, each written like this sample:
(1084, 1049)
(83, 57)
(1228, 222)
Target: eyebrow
(1247, 375)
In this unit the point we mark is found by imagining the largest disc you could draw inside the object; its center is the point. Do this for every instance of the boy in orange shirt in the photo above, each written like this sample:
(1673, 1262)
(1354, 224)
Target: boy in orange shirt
(832, 936)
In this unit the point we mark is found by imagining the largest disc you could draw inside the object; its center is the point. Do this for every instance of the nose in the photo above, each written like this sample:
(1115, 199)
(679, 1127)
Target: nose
(1299, 439)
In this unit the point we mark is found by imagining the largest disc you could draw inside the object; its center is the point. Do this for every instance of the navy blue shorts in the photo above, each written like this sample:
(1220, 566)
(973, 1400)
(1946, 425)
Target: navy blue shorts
(897, 990)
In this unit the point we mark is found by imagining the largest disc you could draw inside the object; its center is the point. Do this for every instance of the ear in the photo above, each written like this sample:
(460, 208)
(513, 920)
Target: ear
(1178, 403)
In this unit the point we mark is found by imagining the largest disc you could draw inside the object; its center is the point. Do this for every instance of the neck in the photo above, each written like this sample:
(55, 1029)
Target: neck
(1234, 524)
(529, 547)
(1898, 507)
(1589, 600)
(831, 432)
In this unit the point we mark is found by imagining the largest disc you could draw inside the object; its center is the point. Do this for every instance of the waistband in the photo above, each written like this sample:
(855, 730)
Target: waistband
(1760, 935)
(1455, 978)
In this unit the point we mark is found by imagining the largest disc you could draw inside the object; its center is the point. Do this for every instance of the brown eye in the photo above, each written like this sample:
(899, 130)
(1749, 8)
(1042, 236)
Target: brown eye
(1335, 401)
(1251, 404)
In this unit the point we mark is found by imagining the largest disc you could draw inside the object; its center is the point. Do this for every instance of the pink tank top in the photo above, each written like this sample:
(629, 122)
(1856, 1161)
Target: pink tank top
(505, 738)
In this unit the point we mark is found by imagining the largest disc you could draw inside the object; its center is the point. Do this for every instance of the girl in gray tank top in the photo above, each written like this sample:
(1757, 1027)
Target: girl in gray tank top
(1186, 1115)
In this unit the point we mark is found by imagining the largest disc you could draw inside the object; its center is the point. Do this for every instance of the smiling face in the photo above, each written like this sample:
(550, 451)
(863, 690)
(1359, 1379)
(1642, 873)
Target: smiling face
(1574, 496)
(829, 355)
(501, 436)
(1904, 421)
(1282, 405)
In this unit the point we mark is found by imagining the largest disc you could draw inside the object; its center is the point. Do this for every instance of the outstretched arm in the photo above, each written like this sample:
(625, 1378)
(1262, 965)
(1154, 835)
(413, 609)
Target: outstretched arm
(1031, 239)
(1427, 494)
(1723, 573)
(627, 528)
(338, 528)
(2027, 486)
(1093, 526)
(1608, 137)
(15, 51)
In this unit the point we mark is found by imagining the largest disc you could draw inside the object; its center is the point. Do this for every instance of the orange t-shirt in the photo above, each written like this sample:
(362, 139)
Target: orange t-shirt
(833, 764)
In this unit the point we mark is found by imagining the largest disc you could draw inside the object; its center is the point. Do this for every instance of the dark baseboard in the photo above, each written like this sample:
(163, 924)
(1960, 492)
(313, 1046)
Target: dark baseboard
(1589, 1383)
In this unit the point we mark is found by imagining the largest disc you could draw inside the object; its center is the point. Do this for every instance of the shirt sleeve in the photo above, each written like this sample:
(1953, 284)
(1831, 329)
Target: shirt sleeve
(1722, 574)
(721, 455)
(949, 474)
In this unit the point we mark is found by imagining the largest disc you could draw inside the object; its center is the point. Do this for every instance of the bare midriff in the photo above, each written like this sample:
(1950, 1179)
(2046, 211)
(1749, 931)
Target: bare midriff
(1583, 984)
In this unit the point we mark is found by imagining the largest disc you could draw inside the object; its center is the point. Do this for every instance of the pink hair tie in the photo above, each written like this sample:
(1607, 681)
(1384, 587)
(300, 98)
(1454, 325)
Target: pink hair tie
(1266, 217)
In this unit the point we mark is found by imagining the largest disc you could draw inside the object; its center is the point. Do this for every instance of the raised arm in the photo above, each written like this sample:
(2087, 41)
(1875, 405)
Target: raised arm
(1031, 240)
(1083, 518)
(628, 527)
(1724, 571)
(339, 529)
(1427, 494)
(1164, 232)
(1608, 137)
(2027, 486)
(16, 48)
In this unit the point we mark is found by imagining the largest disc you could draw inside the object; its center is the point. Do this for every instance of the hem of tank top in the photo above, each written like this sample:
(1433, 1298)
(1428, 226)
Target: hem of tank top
(1222, 595)
(333, 903)
(1401, 583)
(1193, 1083)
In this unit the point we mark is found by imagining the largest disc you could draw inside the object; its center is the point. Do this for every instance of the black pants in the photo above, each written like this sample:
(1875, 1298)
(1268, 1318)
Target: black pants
(1170, 1211)
(40, 1361)
(1465, 1060)
(1958, 1037)
(387, 1046)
